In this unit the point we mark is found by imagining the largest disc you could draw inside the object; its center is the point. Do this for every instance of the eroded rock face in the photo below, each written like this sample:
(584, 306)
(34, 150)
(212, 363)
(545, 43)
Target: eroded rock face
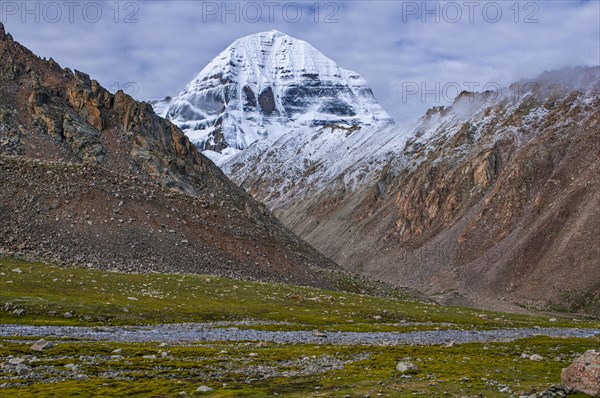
(583, 374)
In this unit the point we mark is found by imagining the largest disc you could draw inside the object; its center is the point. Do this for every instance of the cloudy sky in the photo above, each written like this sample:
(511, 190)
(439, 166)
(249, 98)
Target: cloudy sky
(151, 49)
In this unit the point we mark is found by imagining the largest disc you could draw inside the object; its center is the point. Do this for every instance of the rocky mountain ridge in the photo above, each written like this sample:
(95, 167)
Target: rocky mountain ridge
(492, 198)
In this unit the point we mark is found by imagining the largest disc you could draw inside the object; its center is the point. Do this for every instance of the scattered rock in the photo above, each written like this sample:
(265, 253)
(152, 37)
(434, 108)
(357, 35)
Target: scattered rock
(72, 367)
(204, 389)
(536, 357)
(41, 345)
(22, 369)
(118, 351)
(407, 367)
(19, 312)
(583, 374)
(552, 392)
(67, 315)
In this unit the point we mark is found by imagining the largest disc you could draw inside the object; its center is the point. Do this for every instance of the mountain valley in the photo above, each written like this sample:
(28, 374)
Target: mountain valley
(489, 202)
(271, 231)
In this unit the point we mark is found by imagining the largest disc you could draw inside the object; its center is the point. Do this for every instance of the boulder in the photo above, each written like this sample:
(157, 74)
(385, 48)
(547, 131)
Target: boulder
(583, 374)
(407, 367)
(41, 345)
(22, 369)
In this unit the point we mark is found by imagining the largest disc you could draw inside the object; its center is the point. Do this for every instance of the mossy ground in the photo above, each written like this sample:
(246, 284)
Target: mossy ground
(463, 370)
(95, 297)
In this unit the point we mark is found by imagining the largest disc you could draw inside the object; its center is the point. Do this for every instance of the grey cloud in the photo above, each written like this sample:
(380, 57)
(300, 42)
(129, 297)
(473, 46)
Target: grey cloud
(171, 43)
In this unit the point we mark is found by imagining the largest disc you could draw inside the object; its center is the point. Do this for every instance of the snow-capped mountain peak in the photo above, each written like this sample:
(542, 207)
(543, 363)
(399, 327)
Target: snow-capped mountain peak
(266, 85)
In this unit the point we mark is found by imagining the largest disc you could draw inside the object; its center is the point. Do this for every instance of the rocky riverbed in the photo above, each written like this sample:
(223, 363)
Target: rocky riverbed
(190, 332)
(237, 359)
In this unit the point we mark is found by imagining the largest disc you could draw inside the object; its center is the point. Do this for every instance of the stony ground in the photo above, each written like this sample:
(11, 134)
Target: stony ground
(301, 370)
(213, 332)
(166, 335)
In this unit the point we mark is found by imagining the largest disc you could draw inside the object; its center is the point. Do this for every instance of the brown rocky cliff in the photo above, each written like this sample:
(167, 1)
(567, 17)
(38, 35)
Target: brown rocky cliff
(73, 109)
